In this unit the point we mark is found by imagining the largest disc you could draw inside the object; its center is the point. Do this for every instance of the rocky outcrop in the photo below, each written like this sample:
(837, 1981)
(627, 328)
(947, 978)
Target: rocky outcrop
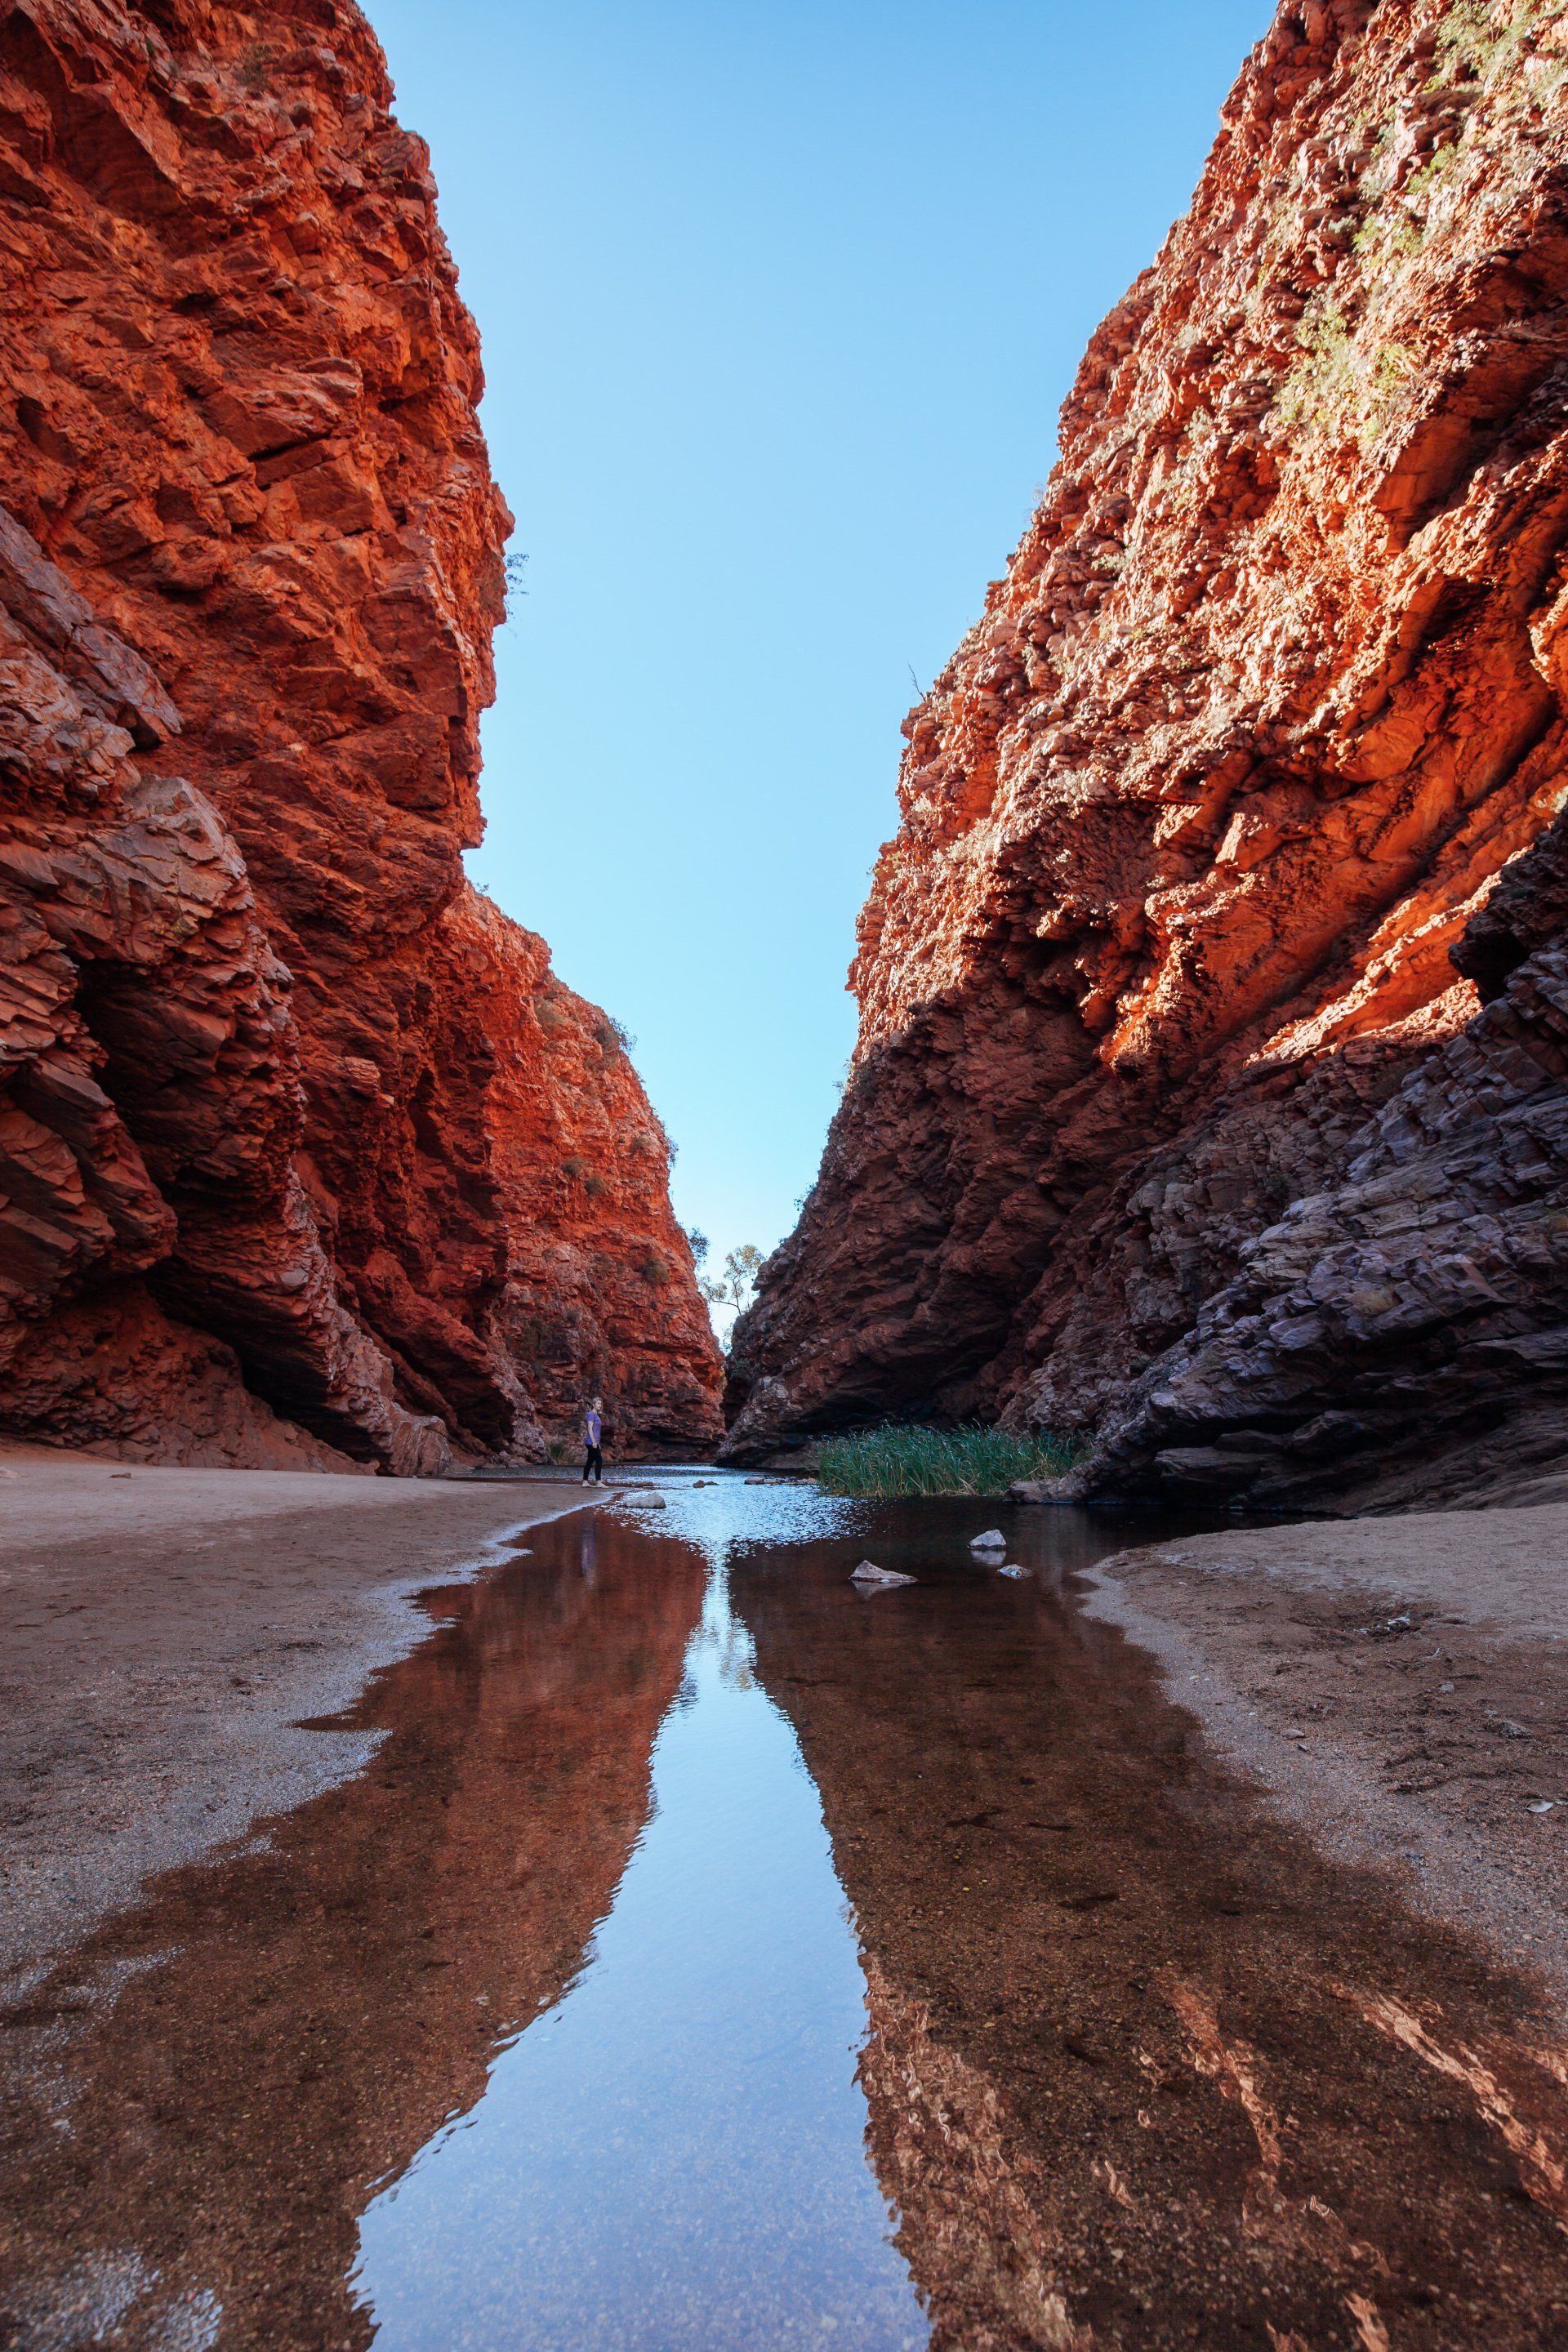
(600, 1292)
(294, 1169)
(1204, 1103)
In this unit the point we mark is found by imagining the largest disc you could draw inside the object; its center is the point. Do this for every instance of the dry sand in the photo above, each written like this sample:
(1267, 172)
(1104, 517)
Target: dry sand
(162, 1634)
(1400, 1685)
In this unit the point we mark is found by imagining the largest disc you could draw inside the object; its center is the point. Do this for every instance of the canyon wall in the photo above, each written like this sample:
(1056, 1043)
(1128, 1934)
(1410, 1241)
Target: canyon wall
(1210, 1101)
(305, 1156)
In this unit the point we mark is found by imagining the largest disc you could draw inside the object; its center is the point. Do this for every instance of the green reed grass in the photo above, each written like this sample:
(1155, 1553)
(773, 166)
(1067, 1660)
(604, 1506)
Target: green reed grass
(913, 1461)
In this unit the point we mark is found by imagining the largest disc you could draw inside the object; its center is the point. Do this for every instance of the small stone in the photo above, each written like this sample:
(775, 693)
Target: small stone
(991, 1540)
(1009, 1570)
(869, 1574)
(1542, 1805)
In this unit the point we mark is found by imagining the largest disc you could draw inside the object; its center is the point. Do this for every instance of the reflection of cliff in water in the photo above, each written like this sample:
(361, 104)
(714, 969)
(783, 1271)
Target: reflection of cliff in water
(1143, 2070)
(199, 2105)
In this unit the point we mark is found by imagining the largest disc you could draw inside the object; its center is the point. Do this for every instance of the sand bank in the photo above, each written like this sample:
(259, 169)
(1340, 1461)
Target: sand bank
(1400, 1685)
(164, 1633)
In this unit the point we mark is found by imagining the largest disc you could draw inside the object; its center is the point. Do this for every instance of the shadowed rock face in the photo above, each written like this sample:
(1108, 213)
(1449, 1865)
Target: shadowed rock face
(1176, 1118)
(303, 1147)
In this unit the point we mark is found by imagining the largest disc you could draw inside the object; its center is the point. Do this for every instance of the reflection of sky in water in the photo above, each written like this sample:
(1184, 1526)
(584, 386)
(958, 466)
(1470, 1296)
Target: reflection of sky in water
(672, 2159)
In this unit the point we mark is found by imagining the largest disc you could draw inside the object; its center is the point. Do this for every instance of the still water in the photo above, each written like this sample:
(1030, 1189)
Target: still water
(714, 1956)
(674, 2152)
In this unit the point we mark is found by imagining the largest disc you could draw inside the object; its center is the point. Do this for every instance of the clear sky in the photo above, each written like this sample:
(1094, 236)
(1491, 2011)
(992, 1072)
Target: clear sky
(780, 300)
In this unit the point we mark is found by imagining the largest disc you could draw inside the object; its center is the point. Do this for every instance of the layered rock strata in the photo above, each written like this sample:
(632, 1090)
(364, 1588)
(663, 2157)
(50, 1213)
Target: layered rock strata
(306, 1155)
(1205, 1106)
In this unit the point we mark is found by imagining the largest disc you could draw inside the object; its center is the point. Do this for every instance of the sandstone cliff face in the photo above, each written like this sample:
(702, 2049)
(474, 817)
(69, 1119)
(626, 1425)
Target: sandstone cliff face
(274, 1188)
(1176, 1120)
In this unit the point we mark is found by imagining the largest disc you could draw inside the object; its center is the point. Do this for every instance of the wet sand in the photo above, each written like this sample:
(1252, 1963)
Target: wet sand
(162, 1635)
(1400, 1688)
(198, 2102)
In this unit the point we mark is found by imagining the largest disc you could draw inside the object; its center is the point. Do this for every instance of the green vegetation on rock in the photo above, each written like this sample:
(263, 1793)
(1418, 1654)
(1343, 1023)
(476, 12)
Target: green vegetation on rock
(913, 1461)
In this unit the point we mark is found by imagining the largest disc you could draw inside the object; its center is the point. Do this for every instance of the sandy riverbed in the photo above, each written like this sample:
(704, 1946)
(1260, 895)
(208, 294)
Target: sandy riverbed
(163, 1634)
(166, 1631)
(1401, 1687)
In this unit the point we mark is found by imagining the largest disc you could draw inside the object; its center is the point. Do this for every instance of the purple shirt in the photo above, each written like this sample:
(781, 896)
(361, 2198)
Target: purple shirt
(591, 1425)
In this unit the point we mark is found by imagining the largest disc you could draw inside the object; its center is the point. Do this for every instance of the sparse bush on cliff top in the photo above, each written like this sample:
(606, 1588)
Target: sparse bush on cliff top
(913, 1461)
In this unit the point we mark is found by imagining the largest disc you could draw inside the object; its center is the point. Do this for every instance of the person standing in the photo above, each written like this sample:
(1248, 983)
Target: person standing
(592, 1436)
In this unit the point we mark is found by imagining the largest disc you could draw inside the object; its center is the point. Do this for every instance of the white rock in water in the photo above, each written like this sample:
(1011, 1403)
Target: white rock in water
(991, 1540)
(1010, 1570)
(869, 1574)
(645, 1501)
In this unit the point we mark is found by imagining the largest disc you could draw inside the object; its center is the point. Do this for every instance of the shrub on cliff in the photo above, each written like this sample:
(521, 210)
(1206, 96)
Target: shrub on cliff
(915, 1461)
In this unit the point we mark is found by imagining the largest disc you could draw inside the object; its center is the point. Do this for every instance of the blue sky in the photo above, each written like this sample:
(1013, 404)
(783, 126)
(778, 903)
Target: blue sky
(780, 300)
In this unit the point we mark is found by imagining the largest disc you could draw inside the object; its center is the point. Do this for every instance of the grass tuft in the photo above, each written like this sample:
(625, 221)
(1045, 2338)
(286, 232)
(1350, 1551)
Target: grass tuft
(912, 1461)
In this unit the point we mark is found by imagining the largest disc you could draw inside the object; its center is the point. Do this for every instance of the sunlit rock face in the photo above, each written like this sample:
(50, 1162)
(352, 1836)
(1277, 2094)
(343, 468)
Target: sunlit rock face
(1176, 1119)
(284, 1134)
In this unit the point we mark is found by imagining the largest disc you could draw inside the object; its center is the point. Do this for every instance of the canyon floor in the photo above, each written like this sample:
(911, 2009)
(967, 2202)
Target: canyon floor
(165, 1633)
(1400, 1686)
(446, 1912)
(173, 1639)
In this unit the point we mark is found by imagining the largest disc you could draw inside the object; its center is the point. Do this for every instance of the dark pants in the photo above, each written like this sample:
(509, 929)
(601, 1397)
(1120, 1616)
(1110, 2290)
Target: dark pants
(595, 1464)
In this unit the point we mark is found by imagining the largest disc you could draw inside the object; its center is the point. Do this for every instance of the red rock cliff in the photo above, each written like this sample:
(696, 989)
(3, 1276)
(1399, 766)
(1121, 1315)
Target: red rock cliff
(303, 1149)
(1176, 1118)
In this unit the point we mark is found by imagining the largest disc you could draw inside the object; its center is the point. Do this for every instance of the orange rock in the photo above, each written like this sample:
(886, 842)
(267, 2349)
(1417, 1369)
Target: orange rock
(265, 1176)
(1270, 694)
